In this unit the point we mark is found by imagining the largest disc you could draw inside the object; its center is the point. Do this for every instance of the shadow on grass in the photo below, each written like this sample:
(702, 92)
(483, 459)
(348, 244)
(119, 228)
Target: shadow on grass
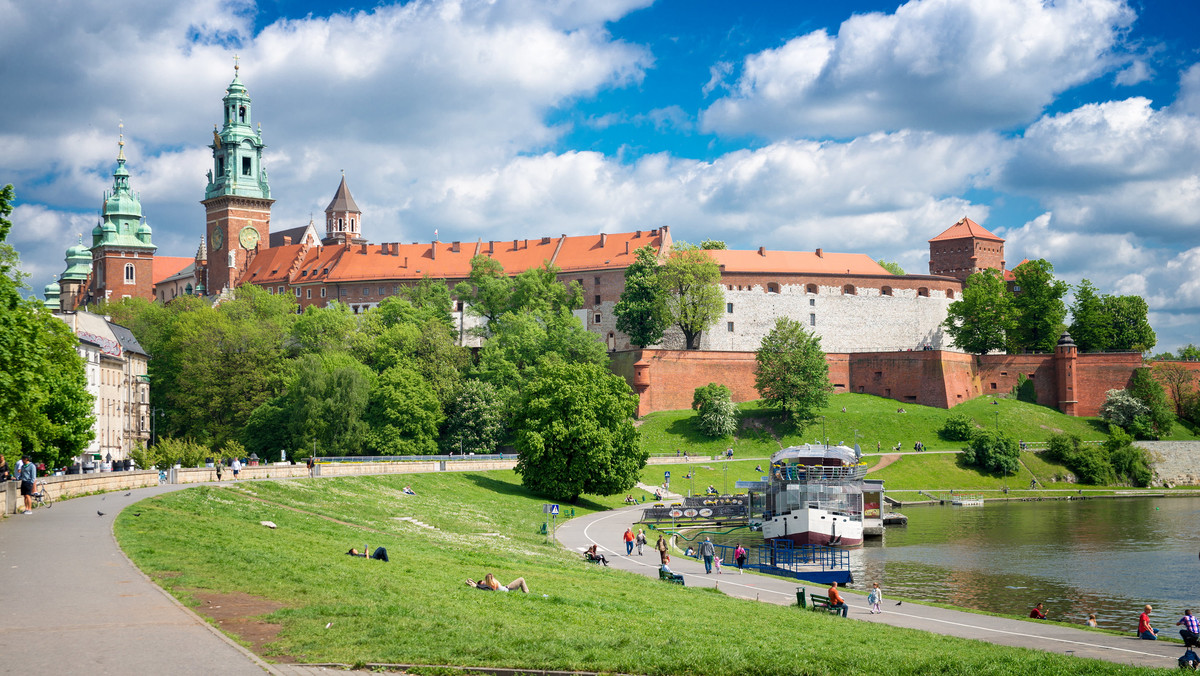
(506, 488)
(685, 429)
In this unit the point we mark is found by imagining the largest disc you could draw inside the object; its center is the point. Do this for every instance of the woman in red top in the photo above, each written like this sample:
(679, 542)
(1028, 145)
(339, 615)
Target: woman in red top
(1144, 630)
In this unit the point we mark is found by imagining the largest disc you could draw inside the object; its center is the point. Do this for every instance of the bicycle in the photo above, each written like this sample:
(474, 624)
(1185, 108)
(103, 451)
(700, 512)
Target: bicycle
(41, 498)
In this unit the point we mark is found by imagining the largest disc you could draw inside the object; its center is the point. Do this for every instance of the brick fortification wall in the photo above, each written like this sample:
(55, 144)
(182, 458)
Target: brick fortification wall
(666, 379)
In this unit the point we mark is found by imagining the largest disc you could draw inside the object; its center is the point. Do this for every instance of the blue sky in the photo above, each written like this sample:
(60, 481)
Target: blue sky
(1069, 128)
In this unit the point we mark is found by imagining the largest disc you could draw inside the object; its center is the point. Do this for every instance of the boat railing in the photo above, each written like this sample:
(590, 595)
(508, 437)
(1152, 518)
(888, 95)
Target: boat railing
(819, 473)
(788, 557)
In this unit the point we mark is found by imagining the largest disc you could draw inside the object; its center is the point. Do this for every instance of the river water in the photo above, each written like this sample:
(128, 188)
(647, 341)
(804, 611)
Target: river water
(1103, 556)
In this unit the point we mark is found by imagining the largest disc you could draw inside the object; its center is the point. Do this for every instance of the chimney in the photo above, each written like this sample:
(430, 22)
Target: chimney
(406, 262)
(514, 245)
(395, 248)
(363, 248)
(454, 247)
(433, 250)
(287, 240)
(603, 239)
(820, 254)
(762, 251)
(626, 247)
(383, 248)
(637, 234)
(526, 243)
(546, 240)
(491, 247)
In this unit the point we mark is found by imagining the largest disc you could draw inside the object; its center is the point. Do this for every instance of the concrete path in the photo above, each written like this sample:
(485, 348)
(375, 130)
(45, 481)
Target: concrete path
(606, 528)
(72, 603)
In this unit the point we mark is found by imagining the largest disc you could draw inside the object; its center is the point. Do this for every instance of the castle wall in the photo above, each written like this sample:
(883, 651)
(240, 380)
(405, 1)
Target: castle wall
(1097, 373)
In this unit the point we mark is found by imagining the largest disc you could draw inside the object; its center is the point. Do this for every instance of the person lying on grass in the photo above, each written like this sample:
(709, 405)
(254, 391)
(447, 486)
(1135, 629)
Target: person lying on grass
(379, 555)
(490, 583)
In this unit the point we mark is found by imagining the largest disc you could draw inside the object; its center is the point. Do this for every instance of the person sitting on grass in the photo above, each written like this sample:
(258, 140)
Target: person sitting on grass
(835, 600)
(490, 583)
(408, 491)
(1144, 630)
(1038, 613)
(379, 555)
(592, 554)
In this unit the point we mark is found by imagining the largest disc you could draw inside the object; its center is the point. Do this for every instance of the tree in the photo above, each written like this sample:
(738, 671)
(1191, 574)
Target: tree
(487, 291)
(1129, 462)
(404, 414)
(792, 374)
(641, 312)
(474, 420)
(891, 267)
(694, 301)
(993, 451)
(1129, 328)
(323, 329)
(431, 296)
(717, 413)
(982, 320)
(1178, 380)
(713, 245)
(1121, 408)
(958, 427)
(45, 408)
(574, 433)
(1038, 307)
(1147, 390)
(1089, 327)
(538, 291)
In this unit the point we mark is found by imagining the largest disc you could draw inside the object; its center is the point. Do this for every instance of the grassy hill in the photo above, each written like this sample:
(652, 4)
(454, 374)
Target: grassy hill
(416, 609)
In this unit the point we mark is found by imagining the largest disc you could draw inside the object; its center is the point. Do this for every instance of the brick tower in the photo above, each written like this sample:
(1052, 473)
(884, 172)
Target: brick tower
(238, 200)
(1065, 357)
(122, 254)
(964, 249)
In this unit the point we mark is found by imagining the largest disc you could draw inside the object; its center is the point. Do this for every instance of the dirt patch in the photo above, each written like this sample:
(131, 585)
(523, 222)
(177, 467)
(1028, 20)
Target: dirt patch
(239, 614)
(1052, 429)
(884, 461)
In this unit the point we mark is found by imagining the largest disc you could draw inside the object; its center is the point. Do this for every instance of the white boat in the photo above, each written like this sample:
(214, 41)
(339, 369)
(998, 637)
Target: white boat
(814, 496)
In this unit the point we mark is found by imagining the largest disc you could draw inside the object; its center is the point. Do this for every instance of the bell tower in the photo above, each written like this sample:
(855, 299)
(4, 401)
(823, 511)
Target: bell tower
(237, 201)
(122, 254)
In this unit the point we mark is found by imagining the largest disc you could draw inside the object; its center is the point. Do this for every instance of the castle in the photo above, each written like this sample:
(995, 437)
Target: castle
(857, 307)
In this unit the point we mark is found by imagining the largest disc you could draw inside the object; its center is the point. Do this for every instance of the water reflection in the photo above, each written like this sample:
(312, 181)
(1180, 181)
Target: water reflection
(1107, 557)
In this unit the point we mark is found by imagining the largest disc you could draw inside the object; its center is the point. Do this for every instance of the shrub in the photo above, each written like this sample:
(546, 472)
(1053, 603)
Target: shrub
(1160, 415)
(718, 415)
(182, 452)
(1024, 390)
(993, 451)
(958, 427)
(1120, 408)
(1129, 462)
(145, 458)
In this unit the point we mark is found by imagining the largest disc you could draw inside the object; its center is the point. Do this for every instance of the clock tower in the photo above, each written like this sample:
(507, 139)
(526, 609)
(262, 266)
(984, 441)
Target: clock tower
(237, 200)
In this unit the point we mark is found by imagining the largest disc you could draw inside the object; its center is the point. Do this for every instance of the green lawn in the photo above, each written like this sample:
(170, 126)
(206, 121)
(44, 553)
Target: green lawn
(416, 608)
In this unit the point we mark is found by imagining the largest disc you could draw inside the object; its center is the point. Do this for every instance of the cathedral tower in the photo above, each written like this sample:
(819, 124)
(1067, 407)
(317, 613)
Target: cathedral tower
(237, 200)
(343, 219)
(122, 254)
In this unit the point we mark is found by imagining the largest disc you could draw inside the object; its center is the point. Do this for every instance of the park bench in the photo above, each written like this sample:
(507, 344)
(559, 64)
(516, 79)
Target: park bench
(673, 578)
(814, 602)
(588, 557)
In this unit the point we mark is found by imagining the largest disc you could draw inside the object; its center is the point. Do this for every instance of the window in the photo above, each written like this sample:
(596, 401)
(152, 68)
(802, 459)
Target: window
(729, 326)
(297, 293)
(885, 291)
(597, 299)
(242, 114)
(729, 307)
(811, 288)
(596, 318)
(245, 166)
(344, 292)
(322, 292)
(366, 290)
(382, 290)
(129, 278)
(458, 307)
(772, 288)
(848, 290)
(923, 292)
(597, 279)
(812, 319)
(281, 290)
(812, 302)
(308, 293)
(950, 294)
(220, 166)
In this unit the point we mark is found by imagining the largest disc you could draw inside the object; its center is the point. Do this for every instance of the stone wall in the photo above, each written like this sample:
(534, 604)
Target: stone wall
(1175, 463)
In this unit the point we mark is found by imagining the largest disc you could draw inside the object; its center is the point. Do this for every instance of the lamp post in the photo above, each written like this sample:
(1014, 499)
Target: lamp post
(726, 491)
(824, 439)
(154, 414)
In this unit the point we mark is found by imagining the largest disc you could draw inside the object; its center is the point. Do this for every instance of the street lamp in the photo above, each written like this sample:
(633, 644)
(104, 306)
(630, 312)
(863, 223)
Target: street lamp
(726, 491)
(824, 439)
(154, 414)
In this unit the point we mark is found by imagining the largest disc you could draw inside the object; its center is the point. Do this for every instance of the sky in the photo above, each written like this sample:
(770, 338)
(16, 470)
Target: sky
(1070, 128)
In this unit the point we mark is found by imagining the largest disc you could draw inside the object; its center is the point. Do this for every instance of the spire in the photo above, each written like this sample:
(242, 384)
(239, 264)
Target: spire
(237, 149)
(121, 143)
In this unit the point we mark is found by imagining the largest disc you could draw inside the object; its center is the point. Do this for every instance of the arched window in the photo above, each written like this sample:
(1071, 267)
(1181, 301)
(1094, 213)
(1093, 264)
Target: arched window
(848, 290)
(129, 276)
(339, 224)
(885, 291)
(811, 288)
(923, 292)
(772, 287)
(242, 114)
(950, 294)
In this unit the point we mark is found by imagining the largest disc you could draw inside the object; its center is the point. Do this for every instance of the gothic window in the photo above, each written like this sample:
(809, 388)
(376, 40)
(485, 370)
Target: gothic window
(352, 227)
(129, 277)
(339, 224)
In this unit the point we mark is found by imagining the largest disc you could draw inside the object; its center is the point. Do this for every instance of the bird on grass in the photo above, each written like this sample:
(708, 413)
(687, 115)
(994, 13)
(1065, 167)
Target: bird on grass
(99, 513)
(137, 513)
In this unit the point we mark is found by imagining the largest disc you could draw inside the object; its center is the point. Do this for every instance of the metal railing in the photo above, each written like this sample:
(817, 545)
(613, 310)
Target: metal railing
(414, 458)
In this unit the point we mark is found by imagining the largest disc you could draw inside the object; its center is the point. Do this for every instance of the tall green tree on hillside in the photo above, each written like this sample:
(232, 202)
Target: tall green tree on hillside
(1160, 417)
(1089, 327)
(982, 320)
(641, 312)
(475, 419)
(792, 374)
(1039, 308)
(574, 432)
(404, 414)
(45, 408)
(1129, 325)
(694, 301)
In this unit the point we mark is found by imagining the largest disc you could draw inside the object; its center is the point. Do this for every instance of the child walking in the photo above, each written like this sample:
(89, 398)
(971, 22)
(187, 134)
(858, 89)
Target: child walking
(717, 564)
(875, 598)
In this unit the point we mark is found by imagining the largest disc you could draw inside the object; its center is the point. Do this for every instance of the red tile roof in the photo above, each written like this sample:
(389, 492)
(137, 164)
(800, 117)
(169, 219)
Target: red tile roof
(165, 266)
(964, 229)
(1008, 273)
(825, 262)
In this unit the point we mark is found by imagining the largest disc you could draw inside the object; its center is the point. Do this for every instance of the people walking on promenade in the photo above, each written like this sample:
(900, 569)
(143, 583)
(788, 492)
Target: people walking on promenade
(28, 476)
(661, 546)
(739, 555)
(628, 537)
(875, 598)
(707, 552)
(640, 540)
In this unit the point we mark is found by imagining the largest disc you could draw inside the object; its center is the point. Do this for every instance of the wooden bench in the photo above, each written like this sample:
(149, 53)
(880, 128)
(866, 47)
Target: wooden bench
(815, 602)
(673, 578)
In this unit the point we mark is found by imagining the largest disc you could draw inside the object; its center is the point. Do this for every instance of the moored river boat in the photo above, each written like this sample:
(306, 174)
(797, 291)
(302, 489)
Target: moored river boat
(814, 496)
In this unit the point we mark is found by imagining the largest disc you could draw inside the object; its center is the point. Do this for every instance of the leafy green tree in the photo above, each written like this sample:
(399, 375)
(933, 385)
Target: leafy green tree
(982, 320)
(1129, 326)
(327, 399)
(717, 413)
(1089, 327)
(1129, 462)
(182, 452)
(538, 291)
(713, 245)
(431, 296)
(642, 312)
(792, 374)
(574, 432)
(694, 300)
(323, 329)
(891, 267)
(1178, 380)
(45, 408)
(1038, 307)
(1189, 353)
(487, 290)
(958, 427)
(1121, 408)
(993, 451)
(404, 414)
(1147, 390)
(474, 420)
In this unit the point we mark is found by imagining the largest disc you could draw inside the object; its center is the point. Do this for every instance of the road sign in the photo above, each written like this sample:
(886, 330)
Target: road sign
(553, 510)
(667, 475)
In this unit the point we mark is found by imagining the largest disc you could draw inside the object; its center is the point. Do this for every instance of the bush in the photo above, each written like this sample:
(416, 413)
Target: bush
(1129, 462)
(475, 421)
(144, 458)
(718, 416)
(182, 452)
(993, 451)
(1120, 408)
(1062, 448)
(1160, 415)
(1024, 390)
(958, 427)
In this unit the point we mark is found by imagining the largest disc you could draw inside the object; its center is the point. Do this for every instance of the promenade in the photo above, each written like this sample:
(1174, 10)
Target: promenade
(73, 603)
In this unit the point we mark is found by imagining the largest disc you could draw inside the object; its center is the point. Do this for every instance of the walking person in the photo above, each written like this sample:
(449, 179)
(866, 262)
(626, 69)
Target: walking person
(707, 552)
(717, 564)
(661, 546)
(628, 542)
(312, 462)
(28, 476)
(236, 466)
(875, 598)
(641, 540)
(220, 464)
(739, 555)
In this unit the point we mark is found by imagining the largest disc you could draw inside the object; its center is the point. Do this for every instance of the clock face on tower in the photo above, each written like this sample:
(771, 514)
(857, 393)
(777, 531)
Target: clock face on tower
(248, 237)
(216, 239)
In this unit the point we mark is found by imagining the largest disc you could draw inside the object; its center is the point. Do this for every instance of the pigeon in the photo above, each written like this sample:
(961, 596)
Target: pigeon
(99, 513)
(129, 494)
(137, 513)
(899, 602)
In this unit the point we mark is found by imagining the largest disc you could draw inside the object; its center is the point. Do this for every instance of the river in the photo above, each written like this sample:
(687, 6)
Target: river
(1103, 556)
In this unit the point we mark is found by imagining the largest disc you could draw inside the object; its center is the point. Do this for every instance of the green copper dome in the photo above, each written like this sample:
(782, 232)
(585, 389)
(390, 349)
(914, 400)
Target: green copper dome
(144, 232)
(79, 262)
(122, 213)
(51, 293)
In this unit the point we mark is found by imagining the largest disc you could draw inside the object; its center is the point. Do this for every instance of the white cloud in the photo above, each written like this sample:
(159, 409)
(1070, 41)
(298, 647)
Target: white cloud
(1135, 73)
(933, 64)
(1188, 99)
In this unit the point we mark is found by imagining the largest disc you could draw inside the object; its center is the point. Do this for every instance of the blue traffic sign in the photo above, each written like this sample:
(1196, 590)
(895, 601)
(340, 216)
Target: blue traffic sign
(667, 475)
(553, 509)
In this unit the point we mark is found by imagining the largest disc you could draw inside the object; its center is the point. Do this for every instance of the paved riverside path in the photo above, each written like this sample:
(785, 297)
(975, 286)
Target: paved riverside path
(606, 528)
(72, 603)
